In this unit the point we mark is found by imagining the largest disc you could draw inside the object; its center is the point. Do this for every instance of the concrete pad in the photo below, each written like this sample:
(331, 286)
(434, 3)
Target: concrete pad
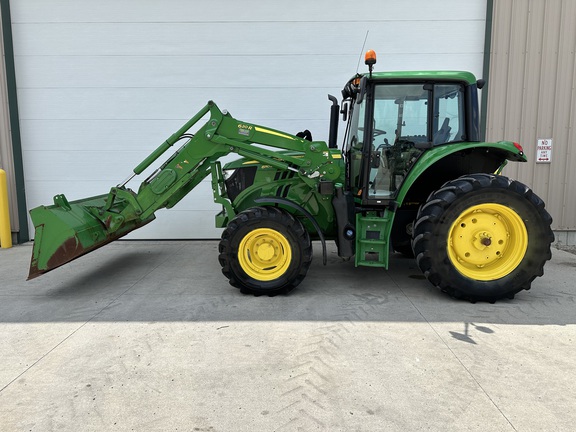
(150, 336)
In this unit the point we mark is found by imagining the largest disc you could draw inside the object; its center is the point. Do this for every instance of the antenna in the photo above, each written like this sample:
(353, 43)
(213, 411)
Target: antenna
(361, 51)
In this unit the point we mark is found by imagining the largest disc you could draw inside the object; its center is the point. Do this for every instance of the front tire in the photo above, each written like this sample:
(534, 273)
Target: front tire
(482, 237)
(265, 250)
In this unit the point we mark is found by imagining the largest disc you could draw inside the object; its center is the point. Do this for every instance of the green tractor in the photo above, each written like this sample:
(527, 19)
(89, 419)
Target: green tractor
(412, 176)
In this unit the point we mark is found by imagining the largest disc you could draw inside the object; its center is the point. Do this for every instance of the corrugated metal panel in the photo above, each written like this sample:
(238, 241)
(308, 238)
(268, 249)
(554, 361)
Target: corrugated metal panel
(531, 95)
(565, 98)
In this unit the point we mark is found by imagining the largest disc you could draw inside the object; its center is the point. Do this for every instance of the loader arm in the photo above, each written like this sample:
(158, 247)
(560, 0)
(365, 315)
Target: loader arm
(68, 230)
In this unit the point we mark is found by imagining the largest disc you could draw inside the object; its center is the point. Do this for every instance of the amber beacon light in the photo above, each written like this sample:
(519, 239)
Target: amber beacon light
(370, 60)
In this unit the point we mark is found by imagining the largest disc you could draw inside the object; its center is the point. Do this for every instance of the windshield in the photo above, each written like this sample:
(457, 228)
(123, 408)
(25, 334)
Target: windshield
(354, 144)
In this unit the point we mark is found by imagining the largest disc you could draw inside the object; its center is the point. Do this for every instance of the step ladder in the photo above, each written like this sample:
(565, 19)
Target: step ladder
(372, 240)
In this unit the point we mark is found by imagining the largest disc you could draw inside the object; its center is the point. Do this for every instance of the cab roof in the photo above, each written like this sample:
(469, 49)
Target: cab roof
(462, 76)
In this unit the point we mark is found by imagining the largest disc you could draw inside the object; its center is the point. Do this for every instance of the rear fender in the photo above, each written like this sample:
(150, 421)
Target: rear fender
(443, 163)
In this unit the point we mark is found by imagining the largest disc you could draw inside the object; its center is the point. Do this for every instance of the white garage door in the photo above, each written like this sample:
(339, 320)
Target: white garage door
(102, 83)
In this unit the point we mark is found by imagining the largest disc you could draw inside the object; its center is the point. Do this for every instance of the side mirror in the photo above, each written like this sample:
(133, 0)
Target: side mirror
(344, 111)
(362, 91)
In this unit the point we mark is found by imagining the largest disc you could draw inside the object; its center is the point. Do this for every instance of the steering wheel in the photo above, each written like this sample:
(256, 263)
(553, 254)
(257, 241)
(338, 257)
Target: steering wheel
(377, 132)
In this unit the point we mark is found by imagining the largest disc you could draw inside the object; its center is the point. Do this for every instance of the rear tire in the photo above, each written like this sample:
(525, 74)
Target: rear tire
(482, 237)
(265, 250)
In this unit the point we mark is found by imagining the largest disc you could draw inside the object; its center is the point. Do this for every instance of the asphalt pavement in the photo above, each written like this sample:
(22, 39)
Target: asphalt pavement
(149, 336)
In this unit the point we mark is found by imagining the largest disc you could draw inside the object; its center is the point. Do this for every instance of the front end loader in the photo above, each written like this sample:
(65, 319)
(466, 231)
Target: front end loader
(67, 230)
(412, 177)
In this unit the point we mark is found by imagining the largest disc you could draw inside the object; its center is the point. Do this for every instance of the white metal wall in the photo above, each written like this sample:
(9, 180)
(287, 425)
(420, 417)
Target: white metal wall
(102, 83)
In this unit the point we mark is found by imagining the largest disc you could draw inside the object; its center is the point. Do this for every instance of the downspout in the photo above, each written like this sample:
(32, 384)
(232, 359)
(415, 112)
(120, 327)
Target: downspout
(23, 235)
(486, 67)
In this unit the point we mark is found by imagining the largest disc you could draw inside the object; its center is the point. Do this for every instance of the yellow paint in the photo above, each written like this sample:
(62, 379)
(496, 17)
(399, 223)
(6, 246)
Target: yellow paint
(5, 233)
(271, 132)
(487, 242)
(264, 254)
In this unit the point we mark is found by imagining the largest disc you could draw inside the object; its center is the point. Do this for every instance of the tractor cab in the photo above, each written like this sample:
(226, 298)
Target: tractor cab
(394, 117)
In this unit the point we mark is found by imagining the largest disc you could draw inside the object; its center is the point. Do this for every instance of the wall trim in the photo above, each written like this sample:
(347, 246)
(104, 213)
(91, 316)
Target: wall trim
(23, 235)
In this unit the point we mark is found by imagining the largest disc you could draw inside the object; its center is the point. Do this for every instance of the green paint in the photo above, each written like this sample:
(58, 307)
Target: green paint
(295, 174)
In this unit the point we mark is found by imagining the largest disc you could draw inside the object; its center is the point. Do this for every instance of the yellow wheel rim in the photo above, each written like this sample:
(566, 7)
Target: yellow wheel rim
(264, 254)
(487, 241)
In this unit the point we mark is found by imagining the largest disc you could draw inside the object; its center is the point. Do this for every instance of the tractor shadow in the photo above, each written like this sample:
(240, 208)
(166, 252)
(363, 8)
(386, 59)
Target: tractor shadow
(182, 281)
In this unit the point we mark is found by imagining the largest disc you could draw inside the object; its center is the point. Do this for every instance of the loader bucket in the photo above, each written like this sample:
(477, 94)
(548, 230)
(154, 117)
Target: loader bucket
(68, 230)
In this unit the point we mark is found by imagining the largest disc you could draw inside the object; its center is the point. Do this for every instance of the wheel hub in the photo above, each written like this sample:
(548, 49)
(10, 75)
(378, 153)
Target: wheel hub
(487, 241)
(264, 250)
(264, 254)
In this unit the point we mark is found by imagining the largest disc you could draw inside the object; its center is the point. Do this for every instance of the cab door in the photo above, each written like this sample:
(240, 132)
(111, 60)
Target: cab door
(392, 126)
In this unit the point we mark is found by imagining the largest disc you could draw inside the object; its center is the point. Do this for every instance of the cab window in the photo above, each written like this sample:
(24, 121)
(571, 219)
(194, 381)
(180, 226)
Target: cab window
(405, 115)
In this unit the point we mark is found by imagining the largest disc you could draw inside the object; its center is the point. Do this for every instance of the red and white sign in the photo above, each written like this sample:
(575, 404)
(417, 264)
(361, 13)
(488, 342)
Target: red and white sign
(544, 150)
